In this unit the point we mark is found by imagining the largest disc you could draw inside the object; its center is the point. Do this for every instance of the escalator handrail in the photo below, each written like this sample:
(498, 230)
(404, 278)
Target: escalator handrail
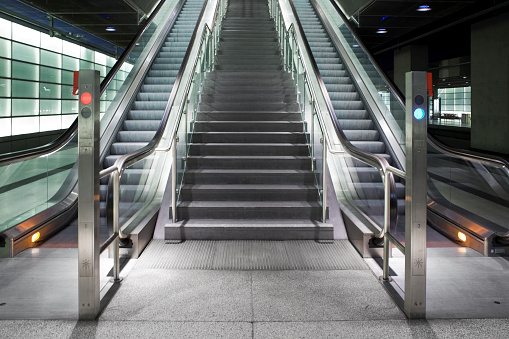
(380, 163)
(489, 160)
(128, 159)
(63, 139)
(374, 160)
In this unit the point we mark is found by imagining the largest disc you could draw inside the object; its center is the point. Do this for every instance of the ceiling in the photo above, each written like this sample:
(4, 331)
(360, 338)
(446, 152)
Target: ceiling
(445, 28)
(94, 16)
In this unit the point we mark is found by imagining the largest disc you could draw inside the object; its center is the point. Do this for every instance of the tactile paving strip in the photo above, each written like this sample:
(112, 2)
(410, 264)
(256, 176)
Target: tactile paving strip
(251, 255)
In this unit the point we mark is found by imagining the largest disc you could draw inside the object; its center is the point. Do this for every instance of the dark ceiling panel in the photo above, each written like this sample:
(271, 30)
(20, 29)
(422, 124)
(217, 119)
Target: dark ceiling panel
(95, 16)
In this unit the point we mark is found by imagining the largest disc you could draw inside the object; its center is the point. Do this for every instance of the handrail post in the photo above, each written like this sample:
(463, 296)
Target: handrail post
(324, 180)
(312, 136)
(174, 181)
(116, 227)
(386, 250)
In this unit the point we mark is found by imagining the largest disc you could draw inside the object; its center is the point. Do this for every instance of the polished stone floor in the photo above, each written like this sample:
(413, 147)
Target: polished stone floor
(38, 298)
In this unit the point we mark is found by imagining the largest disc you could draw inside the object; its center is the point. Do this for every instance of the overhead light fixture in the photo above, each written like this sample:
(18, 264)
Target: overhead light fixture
(110, 29)
(423, 8)
(355, 45)
(381, 31)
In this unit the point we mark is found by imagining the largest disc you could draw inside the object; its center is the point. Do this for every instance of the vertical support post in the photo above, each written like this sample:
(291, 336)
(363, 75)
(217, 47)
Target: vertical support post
(324, 180)
(174, 181)
(387, 244)
(312, 136)
(88, 196)
(416, 193)
(116, 227)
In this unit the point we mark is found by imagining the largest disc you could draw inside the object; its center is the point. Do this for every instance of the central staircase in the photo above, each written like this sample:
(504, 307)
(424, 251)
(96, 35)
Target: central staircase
(248, 173)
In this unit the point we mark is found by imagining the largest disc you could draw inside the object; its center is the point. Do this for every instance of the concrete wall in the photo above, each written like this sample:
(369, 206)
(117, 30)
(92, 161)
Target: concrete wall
(490, 84)
(406, 59)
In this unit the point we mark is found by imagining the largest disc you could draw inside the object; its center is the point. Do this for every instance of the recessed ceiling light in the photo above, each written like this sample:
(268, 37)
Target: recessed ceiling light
(110, 29)
(423, 8)
(381, 31)
(355, 45)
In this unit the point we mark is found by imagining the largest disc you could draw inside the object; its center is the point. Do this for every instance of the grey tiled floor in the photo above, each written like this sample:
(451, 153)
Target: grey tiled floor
(184, 303)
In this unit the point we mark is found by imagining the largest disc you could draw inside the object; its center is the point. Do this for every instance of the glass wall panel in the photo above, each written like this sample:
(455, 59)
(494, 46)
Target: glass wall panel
(25, 125)
(100, 58)
(5, 107)
(68, 48)
(67, 77)
(51, 43)
(51, 59)
(49, 91)
(67, 93)
(69, 107)
(5, 88)
(69, 63)
(25, 53)
(5, 68)
(50, 107)
(24, 107)
(67, 120)
(5, 48)
(22, 70)
(86, 65)
(51, 74)
(25, 89)
(27, 35)
(50, 123)
(36, 77)
(87, 54)
(5, 28)
(5, 125)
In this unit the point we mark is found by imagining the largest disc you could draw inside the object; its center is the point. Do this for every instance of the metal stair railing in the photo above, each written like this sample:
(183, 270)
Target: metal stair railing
(184, 97)
(298, 58)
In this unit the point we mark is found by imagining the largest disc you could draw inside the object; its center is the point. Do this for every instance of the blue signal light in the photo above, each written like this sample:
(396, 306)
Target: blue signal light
(419, 113)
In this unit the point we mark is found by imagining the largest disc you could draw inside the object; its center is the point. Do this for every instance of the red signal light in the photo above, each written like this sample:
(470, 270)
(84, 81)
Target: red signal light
(86, 98)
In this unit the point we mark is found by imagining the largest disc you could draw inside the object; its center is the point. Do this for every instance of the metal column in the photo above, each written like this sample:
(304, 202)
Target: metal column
(88, 195)
(416, 193)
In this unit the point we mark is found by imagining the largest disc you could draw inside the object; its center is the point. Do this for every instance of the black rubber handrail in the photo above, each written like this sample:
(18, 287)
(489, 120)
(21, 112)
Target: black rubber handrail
(128, 159)
(63, 139)
(372, 159)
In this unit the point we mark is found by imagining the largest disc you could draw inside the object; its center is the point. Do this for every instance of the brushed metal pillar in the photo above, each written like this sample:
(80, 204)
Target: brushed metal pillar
(416, 193)
(88, 195)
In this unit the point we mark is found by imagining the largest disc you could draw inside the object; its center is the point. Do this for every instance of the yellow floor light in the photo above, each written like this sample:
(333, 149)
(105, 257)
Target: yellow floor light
(36, 236)
(462, 236)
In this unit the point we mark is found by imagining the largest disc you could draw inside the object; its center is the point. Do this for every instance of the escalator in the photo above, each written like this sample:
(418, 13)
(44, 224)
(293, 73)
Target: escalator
(136, 102)
(358, 124)
(468, 194)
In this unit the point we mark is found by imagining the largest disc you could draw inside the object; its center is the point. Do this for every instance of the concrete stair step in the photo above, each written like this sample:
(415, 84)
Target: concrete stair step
(248, 176)
(252, 149)
(249, 229)
(249, 162)
(247, 116)
(249, 210)
(246, 192)
(248, 126)
(250, 137)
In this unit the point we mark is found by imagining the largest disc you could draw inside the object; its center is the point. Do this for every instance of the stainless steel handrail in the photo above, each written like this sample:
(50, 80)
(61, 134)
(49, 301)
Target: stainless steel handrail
(128, 159)
(55, 145)
(385, 169)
